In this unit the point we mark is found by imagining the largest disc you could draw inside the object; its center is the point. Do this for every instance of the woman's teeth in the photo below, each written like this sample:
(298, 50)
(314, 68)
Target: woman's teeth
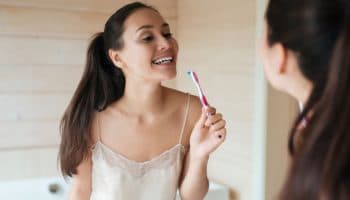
(164, 60)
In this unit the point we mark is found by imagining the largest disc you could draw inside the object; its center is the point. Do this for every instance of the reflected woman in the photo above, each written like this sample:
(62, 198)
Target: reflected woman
(124, 135)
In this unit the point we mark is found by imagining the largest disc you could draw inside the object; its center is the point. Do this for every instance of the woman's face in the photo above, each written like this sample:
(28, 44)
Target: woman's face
(149, 50)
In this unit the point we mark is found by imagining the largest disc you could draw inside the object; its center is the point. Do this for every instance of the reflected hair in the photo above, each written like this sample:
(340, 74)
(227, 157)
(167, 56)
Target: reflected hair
(101, 84)
(318, 32)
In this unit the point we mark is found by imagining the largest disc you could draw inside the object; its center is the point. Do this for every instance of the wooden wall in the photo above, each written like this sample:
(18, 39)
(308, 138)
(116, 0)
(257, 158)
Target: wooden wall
(217, 39)
(42, 53)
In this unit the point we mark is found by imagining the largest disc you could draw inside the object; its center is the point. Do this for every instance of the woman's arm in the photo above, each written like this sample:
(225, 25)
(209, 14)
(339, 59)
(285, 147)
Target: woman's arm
(207, 135)
(81, 184)
(195, 181)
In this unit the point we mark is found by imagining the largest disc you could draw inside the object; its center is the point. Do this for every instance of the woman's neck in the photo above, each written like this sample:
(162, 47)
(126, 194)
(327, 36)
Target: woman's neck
(301, 90)
(142, 98)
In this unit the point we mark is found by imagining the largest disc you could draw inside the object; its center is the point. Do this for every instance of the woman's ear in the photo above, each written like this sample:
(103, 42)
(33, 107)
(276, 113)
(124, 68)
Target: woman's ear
(279, 58)
(115, 58)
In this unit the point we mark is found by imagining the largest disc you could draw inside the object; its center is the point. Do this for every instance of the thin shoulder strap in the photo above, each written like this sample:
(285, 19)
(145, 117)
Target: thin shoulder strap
(99, 127)
(186, 116)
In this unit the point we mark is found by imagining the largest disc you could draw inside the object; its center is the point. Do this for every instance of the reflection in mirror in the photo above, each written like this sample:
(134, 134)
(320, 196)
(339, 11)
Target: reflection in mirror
(42, 60)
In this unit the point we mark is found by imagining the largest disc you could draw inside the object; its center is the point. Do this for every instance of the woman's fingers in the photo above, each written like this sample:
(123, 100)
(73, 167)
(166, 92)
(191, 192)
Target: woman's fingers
(212, 119)
(218, 125)
(206, 113)
(211, 110)
(220, 134)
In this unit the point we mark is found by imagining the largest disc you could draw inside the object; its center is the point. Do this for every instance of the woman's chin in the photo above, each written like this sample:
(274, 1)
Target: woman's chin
(169, 75)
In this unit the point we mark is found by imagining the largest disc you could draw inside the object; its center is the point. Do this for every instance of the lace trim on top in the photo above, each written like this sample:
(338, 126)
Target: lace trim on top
(104, 155)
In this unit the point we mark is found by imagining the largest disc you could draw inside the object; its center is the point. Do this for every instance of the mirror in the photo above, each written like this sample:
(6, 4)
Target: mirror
(42, 54)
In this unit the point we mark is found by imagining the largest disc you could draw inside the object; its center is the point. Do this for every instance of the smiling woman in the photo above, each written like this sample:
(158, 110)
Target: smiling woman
(42, 56)
(124, 135)
(153, 44)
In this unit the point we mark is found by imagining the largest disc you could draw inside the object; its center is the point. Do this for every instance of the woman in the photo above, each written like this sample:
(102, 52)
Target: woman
(124, 135)
(306, 53)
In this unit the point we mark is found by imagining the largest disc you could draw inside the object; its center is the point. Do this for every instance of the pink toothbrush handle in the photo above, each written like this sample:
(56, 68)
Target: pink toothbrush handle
(205, 101)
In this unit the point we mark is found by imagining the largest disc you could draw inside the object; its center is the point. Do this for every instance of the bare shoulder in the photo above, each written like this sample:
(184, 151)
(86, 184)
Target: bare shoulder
(173, 93)
(194, 112)
(195, 108)
(175, 98)
(179, 98)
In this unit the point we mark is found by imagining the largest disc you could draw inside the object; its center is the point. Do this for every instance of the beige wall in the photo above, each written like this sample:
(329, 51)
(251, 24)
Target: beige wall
(42, 53)
(217, 39)
(282, 110)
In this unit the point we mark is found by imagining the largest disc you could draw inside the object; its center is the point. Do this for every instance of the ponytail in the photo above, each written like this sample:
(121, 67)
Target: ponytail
(101, 84)
(321, 168)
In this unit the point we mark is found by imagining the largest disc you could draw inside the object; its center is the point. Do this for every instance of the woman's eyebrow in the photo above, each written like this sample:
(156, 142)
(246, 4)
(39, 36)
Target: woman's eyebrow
(151, 26)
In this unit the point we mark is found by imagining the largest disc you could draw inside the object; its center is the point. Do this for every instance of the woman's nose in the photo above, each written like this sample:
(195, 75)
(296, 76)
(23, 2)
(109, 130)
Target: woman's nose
(163, 44)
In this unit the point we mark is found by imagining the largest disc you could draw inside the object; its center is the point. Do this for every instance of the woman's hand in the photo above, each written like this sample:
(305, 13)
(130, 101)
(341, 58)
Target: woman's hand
(208, 133)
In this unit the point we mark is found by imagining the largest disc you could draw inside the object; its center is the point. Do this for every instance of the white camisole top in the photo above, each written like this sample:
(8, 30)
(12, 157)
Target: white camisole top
(115, 177)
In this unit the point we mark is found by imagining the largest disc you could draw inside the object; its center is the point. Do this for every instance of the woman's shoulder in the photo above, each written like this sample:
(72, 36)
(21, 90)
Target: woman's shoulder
(180, 97)
(194, 105)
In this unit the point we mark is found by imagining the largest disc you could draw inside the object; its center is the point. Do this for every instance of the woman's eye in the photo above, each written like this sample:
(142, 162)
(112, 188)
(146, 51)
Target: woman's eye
(148, 38)
(167, 35)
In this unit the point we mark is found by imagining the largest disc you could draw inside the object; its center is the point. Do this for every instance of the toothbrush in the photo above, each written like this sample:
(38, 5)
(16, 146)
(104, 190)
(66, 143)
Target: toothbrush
(202, 97)
(195, 80)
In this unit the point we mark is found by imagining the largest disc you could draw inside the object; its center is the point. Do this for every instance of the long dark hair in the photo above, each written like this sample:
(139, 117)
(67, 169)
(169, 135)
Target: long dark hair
(318, 31)
(101, 84)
